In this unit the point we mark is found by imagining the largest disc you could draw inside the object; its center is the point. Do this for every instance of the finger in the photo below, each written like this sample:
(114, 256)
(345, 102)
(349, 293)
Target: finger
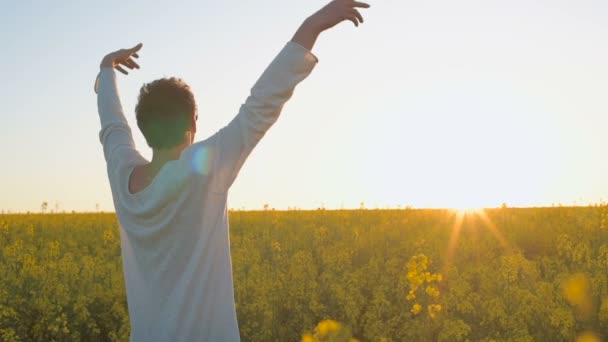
(136, 48)
(127, 64)
(354, 20)
(119, 68)
(135, 55)
(360, 4)
(133, 62)
(358, 15)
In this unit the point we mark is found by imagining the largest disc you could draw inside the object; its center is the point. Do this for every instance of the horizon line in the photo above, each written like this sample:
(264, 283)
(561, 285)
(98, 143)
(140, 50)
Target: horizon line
(270, 209)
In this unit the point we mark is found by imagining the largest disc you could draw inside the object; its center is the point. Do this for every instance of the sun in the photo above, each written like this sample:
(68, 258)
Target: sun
(467, 210)
(467, 198)
(470, 207)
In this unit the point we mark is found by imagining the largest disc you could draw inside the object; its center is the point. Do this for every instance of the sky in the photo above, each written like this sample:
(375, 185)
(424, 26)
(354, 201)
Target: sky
(437, 103)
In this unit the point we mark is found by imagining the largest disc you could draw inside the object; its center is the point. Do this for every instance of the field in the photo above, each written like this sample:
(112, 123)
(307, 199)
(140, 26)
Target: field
(508, 274)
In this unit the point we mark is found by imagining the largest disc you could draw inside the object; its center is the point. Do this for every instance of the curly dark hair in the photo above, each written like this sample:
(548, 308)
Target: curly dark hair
(165, 110)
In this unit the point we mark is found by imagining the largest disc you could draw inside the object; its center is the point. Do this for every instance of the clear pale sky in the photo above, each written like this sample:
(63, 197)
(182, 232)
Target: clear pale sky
(435, 103)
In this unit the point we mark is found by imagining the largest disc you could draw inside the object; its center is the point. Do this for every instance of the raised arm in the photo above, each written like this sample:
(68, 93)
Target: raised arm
(115, 134)
(274, 88)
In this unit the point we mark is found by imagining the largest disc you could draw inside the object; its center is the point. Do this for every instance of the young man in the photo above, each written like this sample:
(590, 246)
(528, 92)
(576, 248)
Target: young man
(172, 210)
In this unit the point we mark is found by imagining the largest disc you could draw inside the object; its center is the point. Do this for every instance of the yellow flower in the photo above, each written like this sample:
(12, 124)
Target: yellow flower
(326, 326)
(416, 309)
(588, 337)
(576, 289)
(431, 291)
(434, 309)
(308, 338)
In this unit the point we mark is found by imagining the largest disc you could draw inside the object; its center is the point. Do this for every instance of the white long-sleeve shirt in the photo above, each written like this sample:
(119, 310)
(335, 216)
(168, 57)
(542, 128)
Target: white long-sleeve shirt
(174, 233)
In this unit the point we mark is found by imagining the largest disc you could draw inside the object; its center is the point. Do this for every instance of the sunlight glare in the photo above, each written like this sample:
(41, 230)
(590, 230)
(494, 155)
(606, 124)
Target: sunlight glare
(460, 215)
(464, 211)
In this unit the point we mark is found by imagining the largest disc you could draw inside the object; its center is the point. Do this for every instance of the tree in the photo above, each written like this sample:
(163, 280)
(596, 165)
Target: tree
(44, 206)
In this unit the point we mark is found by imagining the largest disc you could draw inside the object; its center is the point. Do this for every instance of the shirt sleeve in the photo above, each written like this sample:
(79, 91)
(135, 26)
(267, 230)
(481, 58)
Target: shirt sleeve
(273, 89)
(115, 134)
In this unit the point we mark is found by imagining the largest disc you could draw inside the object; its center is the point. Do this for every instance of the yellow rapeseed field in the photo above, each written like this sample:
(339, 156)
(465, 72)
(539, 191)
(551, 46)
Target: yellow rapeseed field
(508, 274)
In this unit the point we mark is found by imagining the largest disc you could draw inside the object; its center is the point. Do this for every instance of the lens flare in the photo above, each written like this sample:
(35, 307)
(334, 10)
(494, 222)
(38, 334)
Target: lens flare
(200, 161)
(459, 215)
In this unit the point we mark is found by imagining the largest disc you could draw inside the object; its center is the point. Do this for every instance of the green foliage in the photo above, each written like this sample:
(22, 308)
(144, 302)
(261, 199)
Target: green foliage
(384, 275)
(61, 280)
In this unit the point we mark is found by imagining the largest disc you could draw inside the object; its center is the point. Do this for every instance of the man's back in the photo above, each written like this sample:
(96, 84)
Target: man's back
(176, 255)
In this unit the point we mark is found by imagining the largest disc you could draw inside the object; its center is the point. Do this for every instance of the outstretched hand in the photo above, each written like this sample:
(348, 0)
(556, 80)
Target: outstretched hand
(337, 11)
(327, 17)
(122, 57)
